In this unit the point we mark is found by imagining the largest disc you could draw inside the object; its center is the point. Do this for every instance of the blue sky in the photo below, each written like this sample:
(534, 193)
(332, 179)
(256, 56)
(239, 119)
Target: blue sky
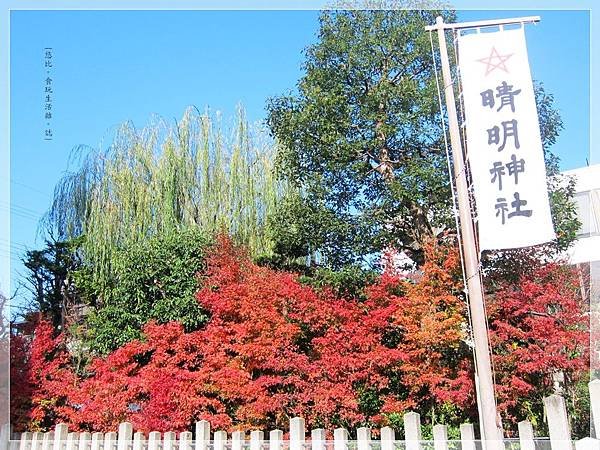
(113, 66)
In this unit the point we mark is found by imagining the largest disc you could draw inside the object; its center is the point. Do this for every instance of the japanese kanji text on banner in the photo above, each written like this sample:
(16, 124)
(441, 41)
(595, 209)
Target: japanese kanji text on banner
(504, 147)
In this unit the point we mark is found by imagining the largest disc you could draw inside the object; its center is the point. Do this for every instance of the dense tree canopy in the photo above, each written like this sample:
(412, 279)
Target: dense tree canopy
(162, 179)
(49, 279)
(135, 217)
(362, 141)
(275, 347)
(176, 334)
(151, 280)
(533, 344)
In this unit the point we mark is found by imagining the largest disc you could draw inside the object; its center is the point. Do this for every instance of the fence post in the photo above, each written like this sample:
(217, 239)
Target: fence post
(412, 431)
(526, 437)
(33, 441)
(36, 440)
(220, 440)
(467, 436)
(237, 440)
(340, 439)
(109, 441)
(558, 423)
(96, 441)
(125, 435)
(275, 440)
(185, 440)
(440, 437)
(84, 439)
(138, 441)
(202, 435)
(363, 438)
(154, 440)
(72, 440)
(317, 437)
(60, 436)
(587, 444)
(594, 388)
(387, 438)
(257, 439)
(48, 440)
(25, 440)
(169, 439)
(297, 433)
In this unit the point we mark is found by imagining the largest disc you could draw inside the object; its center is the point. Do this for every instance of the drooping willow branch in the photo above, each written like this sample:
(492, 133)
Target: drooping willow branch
(164, 178)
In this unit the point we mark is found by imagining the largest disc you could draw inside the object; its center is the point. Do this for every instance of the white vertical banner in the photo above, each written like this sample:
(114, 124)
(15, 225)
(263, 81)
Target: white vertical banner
(504, 147)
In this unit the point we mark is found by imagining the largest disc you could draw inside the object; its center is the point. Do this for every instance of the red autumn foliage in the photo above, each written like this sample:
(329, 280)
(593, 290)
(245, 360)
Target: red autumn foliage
(537, 328)
(41, 379)
(432, 316)
(275, 348)
(21, 388)
(159, 375)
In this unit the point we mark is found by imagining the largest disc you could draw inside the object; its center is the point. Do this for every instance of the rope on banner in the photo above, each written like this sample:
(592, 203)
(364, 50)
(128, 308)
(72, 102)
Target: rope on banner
(461, 105)
(479, 273)
(454, 205)
(452, 187)
(463, 136)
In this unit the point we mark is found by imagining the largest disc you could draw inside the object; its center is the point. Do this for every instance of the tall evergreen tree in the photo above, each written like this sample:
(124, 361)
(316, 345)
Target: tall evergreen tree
(362, 142)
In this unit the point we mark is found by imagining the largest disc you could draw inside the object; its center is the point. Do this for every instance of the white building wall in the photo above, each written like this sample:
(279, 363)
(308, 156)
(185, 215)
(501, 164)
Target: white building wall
(587, 246)
(585, 252)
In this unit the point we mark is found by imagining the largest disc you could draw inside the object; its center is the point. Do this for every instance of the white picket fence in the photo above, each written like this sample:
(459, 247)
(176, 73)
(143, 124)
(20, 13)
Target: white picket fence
(125, 439)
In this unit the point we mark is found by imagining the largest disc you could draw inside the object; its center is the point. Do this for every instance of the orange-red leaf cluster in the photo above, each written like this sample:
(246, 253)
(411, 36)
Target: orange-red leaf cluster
(275, 348)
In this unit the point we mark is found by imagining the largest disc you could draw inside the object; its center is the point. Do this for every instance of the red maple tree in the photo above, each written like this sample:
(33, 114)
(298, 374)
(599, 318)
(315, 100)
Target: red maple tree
(41, 378)
(538, 331)
(275, 348)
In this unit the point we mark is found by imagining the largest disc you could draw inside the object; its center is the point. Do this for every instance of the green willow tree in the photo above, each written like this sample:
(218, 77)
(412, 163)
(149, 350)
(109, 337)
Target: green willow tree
(363, 144)
(164, 179)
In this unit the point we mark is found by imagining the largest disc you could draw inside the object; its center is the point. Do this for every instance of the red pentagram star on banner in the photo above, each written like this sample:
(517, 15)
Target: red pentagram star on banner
(500, 64)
